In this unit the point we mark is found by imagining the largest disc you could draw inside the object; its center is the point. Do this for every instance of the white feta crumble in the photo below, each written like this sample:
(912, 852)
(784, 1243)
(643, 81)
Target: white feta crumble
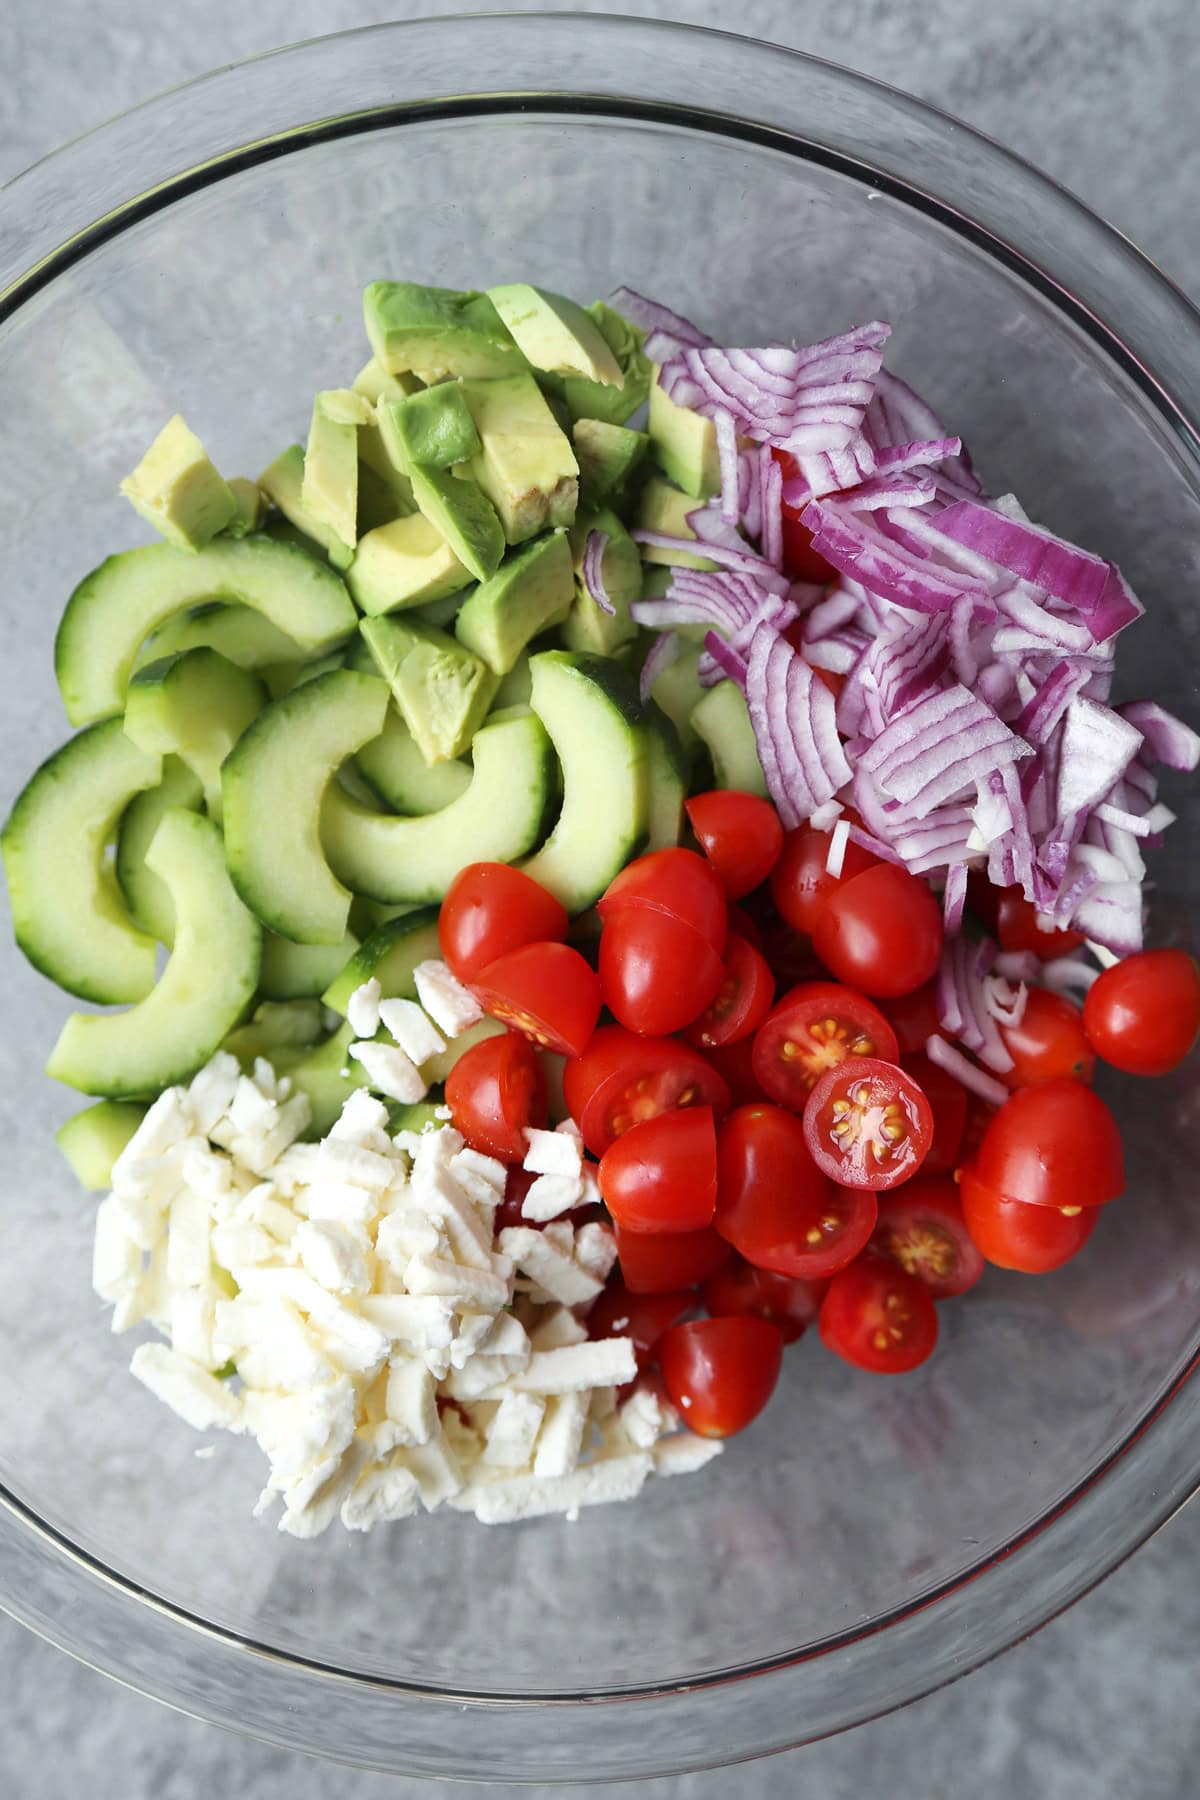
(390, 1072)
(412, 1029)
(451, 1006)
(333, 1255)
(362, 1008)
(553, 1153)
(513, 1430)
(186, 1387)
(551, 1195)
(561, 1437)
(598, 1363)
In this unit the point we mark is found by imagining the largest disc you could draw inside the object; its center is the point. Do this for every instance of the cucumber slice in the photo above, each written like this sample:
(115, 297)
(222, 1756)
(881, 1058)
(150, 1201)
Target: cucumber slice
(246, 637)
(277, 1025)
(402, 778)
(390, 954)
(416, 1117)
(589, 705)
(439, 1066)
(93, 1139)
(117, 606)
(147, 896)
(69, 916)
(272, 784)
(677, 691)
(301, 971)
(207, 984)
(498, 818)
(722, 720)
(668, 782)
(194, 706)
(328, 1075)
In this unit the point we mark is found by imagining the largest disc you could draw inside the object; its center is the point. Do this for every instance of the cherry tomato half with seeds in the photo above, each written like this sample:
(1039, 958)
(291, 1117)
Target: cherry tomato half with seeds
(658, 1262)
(1053, 1145)
(643, 1317)
(948, 1100)
(1143, 1014)
(1050, 1041)
(811, 1030)
(880, 932)
(776, 1207)
(679, 883)
(490, 909)
(739, 1290)
(801, 883)
(1018, 929)
(662, 1176)
(495, 1091)
(720, 1373)
(657, 975)
(879, 1317)
(921, 1227)
(742, 1001)
(623, 1079)
(546, 991)
(1030, 1239)
(868, 1124)
(740, 834)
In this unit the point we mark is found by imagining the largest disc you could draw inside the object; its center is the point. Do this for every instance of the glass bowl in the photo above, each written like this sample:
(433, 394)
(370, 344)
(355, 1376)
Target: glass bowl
(866, 1540)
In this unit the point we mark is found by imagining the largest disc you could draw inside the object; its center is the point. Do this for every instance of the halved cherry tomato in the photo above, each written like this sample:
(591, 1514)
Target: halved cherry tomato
(879, 1317)
(1018, 929)
(623, 1079)
(680, 883)
(742, 925)
(979, 1117)
(739, 1290)
(1031, 1239)
(735, 1065)
(546, 991)
(1050, 1041)
(948, 1102)
(775, 1206)
(643, 1317)
(1053, 1145)
(914, 1018)
(1143, 1014)
(881, 931)
(494, 1091)
(743, 999)
(662, 1176)
(921, 1227)
(490, 909)
(657, 1262)
(800, 560)
(868, 1124)
(656, 973)
(740, 834)
(790, 954)
(811, 1030)
(800, 882)
(720, 1373)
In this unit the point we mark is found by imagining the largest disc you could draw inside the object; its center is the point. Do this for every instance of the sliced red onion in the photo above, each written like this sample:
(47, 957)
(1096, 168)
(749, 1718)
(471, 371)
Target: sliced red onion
(650, 316)
(661, 655)
(835, 856)
(1017, 965)
(726, 658)
(727, 452)
(937, 747)
(772, 511)
(1168, 739)
(855, 545)
(880, 491)
(1037, 556)
(1097, 747)
(961, 1001)
(1111, 916)
(750, 488)
(1117, 607)
(826, 817)
(593, 571)
(898, 415)
(954, 898)
(1005, 1002)
(973, 1078)
(1068, 974)
(794, 727)
(1140, 825)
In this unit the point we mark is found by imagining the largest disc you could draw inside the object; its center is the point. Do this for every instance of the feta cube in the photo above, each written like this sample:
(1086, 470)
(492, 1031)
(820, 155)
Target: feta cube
(412, 1029)
(684, 1453)
(313, 1503)
(186, 1387)
(299, 1432)
(342, 1202)
(513, 1431)
(363, 1120)
(117, 1258)
(553, 1153)
(596, 1249)
(385, 1492)
(481, 1178)
(561, 1437)
(271, 1344)
(411, 1401)
(390, 1072)
(450, 1005)
(334, 1256)
(339, 1160)
(192, 1326)
(362, 1009)
(644, 1419)
(239, 1247)
(542, 1257)
(530, 1497)
(418, 1321)
(436, 1468)
(556, 1327)
(578, 1366)
(473, 1328)
(479, 1289)
(551, 1195)
(212, 1090)
(167, 1123)
(188, 1260)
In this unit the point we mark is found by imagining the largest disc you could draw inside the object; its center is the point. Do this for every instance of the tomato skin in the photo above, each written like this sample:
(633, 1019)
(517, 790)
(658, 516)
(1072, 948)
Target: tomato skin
(1018, 929)
(1050, 1041)
(1012, 1235)
(740, 834)
(643, 1317)
(680, 883)
(720, 1373)
(850, 1137)
(662, 1176)
(788, 1302)
(921, 1227)
(775, 1206)
(795, 1046)
(735, 1065)
(979, 1117)
(800, 883)
(490, 909)
(658, 1262)
(914, 1018)
(878, 1317)
(546, 991)
(494, 1091)
(742, 925)
(742, 1002)
(880, 932)
(622, 1079)
(948, 1102)
(1143, 1014)
(1053, 1145)
(656, 973)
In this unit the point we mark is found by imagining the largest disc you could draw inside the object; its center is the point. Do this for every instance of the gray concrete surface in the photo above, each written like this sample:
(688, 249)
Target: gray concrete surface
(1101, 1705)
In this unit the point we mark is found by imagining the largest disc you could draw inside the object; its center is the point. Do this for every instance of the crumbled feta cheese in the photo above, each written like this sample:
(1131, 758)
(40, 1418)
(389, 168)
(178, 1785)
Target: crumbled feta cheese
(381, 1494)
(477, 1288)
(343, 1202)
(212, 1090)
(390, 1072)
(188, 1259)
(603, 1403)
(192, 1326)
(412, 1029)
(450, 1005)
(553, 1153)
(530, 1497)
(341, 1161)
(551, 1195)
(561, 1437)
(481, 1178)
(513, 1431)
(418, 1321)
(473, 1327)
(362, 1009)
(117, 1257)
(313, 1503)
(271, 1344)
(333, 1256)
(684, 1453)
(167, 1123)
(437, 1470)
(577, 1366)
(644, 1418)
(557, 1326)
(363, 1120)
(238, 1247)
(186, 1387)
(411, 1401)
(596, 1249)
(542, 1257)
(298, 1432)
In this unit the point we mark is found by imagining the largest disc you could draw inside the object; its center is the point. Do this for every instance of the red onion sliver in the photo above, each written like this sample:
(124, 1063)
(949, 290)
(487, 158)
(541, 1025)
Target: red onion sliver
(973, 1078)
(661, 654)
(593, 571)
(835, 856)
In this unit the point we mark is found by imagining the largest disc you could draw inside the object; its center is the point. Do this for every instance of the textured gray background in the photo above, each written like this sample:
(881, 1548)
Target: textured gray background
(1101, 93)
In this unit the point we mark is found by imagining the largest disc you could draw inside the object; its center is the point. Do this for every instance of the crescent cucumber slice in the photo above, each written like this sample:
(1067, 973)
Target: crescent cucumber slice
(148, 898)
(194, 706)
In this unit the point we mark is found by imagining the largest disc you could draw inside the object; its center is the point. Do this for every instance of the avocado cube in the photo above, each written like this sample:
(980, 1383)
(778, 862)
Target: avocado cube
(436, 332)
(329, 490)
(251, 506)
(555, 334)
(382, 484)
(442, 691)
(463, 514)
(588, 626)
(176, 489)
(592, 399)
(665, 508)
(282, 482)
(375, 384)
(403, 563)
(434, 428)
(525, 464)
(684, 444)
(607, 456)
(530, 591)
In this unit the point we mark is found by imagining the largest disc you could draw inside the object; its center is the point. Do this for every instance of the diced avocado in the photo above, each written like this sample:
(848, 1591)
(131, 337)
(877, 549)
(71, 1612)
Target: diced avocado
(374, 383)
(276, 1025)
(93, 1139)
(607, 455)
(399, 774)
(592, 399)
(301, 971)
(588, 626)
(177, 490)
(433, 428)
(389, 956)
(251, 506)
(515, 687)
(677, 690)
(723, 721)
(554, 333)
(459, 509)
(436, 332)
(668, 781)
(195, 706)
(440, 687)
(526, 465)
(665, 508)
(329, 488)
(404, 564)
(684, 444)
(147, 897)
(530, 591)
(282, 482)
(246, 637)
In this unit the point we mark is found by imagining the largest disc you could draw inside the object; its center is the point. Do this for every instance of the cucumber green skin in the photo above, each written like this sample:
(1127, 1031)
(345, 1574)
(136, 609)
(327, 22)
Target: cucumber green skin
(318, 1074)
(301, 971)
(117, 606)
(400, 775)
(722, 721)
(272, 784)
(69, 915)
(240, 634)
(390, 955)
(207, 985)
(497, 819)
(668, 782)
(93, 1139)
(145, 895)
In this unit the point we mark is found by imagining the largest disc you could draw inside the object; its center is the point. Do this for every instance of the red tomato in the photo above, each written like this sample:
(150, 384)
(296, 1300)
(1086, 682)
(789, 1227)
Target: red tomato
(1018, 929)
(547, 991)
(1050, 1041)
(1053, 1145)
(662, 1176)
(656, 973)
(742, 925)
(921, 1227)
(740, 1290)
(800, 883)
(811, 1030)
(735, 1065)
(868, 1124)
(642, 1317)
(517, 1184)
(881, 931)
(1143, 1014)
(948, 1101)
(879, 1317)
(914, 1018)
(490, 909)
(679, 883)
(494, 1091)
(1031, 1239)
(622, 1079)
(790, 954)
(776, 1207)
(657, 1262)
(740, 834)
(979, 1117)
(720, 1373)
(742, 1002)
